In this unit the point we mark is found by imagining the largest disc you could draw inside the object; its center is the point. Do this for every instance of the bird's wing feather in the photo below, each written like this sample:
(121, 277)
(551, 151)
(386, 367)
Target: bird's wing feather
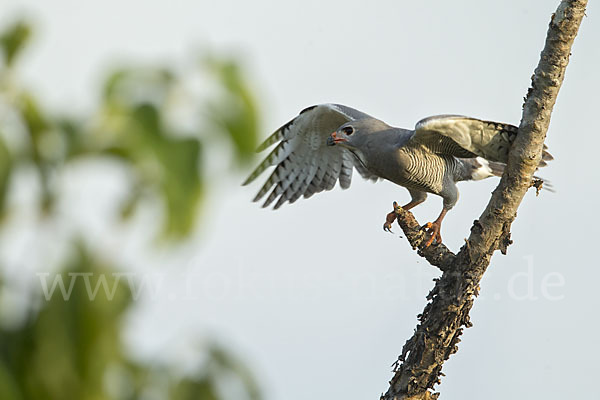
(466, 137)
(304, 164)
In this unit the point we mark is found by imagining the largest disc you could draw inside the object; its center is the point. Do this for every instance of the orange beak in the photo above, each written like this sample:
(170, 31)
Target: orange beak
(333, 139)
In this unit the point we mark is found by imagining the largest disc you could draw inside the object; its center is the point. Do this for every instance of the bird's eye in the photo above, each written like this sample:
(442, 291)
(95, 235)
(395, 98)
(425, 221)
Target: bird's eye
(348, 130)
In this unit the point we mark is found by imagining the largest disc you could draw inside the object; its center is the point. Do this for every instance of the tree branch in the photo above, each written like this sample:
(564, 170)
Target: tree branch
(438, 256)
(436, 337)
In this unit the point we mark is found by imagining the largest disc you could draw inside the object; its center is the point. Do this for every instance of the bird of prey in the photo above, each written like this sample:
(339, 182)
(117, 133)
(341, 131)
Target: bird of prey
(324, 143)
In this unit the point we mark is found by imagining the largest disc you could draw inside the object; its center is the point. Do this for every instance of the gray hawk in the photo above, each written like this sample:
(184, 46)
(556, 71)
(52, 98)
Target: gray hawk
(324, 143)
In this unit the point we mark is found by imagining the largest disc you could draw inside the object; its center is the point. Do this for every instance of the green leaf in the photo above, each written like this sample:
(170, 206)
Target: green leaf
(13, 40)
(113, 82)
(75, 138)
(5, 172)
(35, 119)
(191, 389)
(226, 363)
(38, 125)
(182, 185)
(235, 112)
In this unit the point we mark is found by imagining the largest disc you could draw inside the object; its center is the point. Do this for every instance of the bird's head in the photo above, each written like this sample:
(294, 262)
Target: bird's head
(343, 136)
(353, 134)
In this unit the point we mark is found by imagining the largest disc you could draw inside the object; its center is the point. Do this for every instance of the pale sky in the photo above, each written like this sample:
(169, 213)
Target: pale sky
(315, 297)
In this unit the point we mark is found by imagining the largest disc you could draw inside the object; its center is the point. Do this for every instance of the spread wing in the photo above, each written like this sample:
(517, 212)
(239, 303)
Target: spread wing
(466, 137)
(304, 164)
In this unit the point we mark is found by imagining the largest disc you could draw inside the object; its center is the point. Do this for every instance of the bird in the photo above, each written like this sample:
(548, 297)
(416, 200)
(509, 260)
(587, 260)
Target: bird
(326, 142)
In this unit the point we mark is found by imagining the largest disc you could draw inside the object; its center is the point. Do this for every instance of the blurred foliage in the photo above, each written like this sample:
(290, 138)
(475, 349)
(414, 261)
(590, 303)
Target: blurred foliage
(62, 350)
(162, 160)
(71, 348)
(235, 112)
(133, 123)
(13, 40)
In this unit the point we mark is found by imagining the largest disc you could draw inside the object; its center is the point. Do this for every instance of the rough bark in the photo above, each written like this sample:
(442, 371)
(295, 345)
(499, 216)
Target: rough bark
(445, 316)
(438, 256)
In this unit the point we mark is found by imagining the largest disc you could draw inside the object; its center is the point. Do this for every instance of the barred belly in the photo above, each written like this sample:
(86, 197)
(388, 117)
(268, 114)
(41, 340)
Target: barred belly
(424, 171)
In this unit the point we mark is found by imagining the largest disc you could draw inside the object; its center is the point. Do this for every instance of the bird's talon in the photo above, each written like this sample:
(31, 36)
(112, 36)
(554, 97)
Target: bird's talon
(433, 229)
(389, 220)
(430, 241)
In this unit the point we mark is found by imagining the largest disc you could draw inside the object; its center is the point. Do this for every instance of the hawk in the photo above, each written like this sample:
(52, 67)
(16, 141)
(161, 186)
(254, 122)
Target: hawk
(326, 142)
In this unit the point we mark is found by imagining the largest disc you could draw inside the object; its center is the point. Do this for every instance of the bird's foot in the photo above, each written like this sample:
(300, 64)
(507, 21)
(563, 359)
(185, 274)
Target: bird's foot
(390, 218)
(433, 229)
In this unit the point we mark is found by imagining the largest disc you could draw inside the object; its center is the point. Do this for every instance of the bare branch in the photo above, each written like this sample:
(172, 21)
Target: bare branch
(438, 256)
(440, 325)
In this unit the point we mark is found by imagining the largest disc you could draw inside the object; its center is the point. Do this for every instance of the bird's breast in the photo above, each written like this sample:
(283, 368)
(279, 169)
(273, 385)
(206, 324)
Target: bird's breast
(417, 169)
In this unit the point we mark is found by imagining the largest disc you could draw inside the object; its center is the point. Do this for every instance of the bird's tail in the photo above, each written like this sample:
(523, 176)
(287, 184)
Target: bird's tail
(496, 168)
(482, 168)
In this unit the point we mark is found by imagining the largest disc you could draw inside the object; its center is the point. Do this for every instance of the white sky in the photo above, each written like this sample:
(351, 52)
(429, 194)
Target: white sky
(316, 297)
